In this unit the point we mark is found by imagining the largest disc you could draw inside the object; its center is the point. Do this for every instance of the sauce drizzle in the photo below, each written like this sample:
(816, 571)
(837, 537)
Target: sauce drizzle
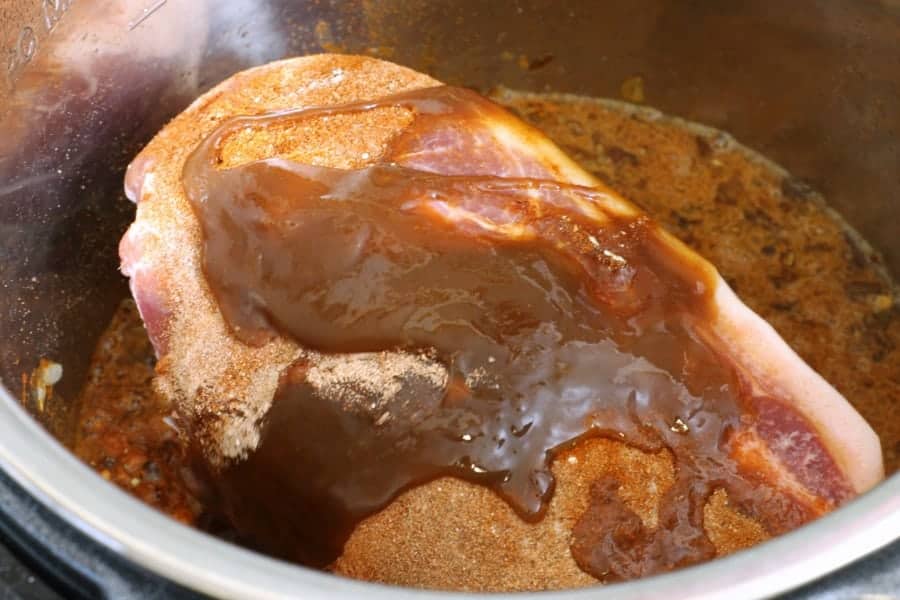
(508, 315)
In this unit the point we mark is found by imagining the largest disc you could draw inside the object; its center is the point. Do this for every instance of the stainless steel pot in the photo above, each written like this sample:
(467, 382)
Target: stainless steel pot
(814, 84)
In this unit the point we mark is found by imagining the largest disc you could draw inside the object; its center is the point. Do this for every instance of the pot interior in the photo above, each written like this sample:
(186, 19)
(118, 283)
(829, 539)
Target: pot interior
(814, 85)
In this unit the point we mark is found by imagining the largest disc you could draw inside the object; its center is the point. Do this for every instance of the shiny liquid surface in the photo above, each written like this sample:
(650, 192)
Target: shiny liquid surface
(513, 316)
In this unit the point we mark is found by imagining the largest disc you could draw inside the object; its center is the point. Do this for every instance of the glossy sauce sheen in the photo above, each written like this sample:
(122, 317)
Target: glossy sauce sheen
(532, 316)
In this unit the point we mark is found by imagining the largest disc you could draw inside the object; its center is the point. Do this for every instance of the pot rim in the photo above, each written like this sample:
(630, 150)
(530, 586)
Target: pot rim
(45, 468)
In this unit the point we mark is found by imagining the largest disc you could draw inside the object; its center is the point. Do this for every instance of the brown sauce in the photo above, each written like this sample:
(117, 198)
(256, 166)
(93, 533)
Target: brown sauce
(536, 313)
(772, 236)
(124, 428)
(767, 233)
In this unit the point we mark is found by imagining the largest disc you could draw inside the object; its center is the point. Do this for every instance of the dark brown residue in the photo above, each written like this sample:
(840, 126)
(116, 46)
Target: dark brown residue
(124, 429)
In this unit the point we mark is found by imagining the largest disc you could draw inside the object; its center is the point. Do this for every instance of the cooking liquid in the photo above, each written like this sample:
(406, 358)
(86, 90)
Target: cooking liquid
(535, 314)
(766, 232)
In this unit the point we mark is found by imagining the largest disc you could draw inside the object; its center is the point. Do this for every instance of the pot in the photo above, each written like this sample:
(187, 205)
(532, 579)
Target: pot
(813, 84)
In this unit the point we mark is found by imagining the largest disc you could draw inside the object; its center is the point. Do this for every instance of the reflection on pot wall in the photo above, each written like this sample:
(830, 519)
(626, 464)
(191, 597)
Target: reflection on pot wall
(91, 83)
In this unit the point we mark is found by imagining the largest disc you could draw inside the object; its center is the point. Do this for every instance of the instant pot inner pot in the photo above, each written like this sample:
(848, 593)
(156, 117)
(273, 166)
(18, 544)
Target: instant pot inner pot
(814, 85)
